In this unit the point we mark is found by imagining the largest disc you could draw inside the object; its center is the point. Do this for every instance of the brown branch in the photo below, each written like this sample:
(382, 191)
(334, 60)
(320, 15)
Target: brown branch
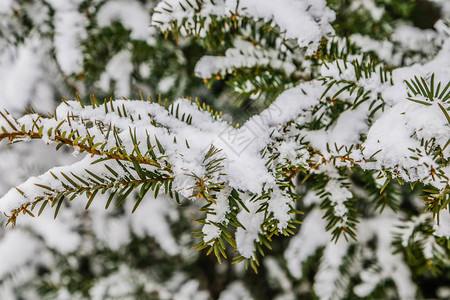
(56, 195)
(83, 148)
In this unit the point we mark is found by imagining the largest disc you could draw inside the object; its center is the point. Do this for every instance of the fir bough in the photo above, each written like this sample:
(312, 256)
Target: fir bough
(344, 126)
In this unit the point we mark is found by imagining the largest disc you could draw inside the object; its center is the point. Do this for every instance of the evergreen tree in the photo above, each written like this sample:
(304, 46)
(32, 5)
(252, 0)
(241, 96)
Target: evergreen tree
(326, 178)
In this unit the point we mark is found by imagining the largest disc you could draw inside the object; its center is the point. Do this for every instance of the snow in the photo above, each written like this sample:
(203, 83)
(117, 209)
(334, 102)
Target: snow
(61, 234)
(5, 6)
(151, 220)
(138, 24)
(112, 232)
(445, 7)
(276, 273)
(408, 228)
(118, 74)
(171, 11)
(344, 132)
(408, 119)
(235, 291)
(64, 5)
(70, 31)
(32, 191)
(252, 221)
(384, 49)
(442, 228)
(415, 39)
(305, 243)
(443, 292)
(376, 12)
(279, 204)
(190, 291)
(329, 273)
(26, 163)
(392, 265)
(288, 105)
(338, 195)
(166, 84)
(218, 215)
(122, 284)
(311, 198)
(21, 70)
(13, 253)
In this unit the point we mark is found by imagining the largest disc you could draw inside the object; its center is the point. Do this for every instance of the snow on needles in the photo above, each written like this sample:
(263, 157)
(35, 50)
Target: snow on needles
(244, 166)
(244, 55)
(390, 139)
(243, 170)
(306, 21)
